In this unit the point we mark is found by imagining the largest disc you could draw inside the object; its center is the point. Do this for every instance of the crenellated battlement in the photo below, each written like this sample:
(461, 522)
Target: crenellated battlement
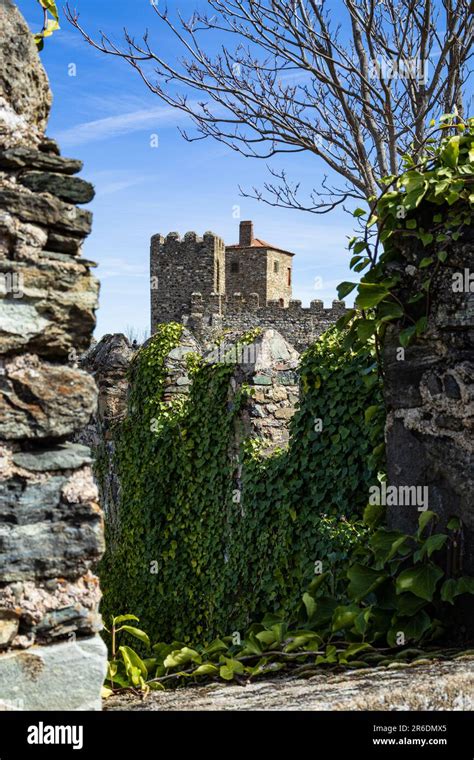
(211, 287)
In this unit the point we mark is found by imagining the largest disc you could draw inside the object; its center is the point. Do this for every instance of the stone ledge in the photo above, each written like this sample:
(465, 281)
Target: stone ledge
(439, 685)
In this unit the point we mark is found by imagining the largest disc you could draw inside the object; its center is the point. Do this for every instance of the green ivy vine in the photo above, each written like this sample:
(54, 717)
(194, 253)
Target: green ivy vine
(191, 560)
(430, 203)
(378, 608)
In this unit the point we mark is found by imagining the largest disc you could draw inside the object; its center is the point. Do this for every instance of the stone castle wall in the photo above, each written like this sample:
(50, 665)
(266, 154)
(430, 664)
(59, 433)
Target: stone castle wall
(51, 533)
(299, 325)
(180, 267)
(192, 282)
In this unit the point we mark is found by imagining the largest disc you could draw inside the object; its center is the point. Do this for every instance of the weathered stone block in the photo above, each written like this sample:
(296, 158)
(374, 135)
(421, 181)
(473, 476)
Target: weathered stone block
(42, 400)
(22, 158)
(45, 209)
(69, 189)
(65, 676)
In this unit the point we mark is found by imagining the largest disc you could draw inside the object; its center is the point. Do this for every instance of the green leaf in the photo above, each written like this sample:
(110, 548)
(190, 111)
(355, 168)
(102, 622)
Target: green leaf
(206, 669)
(432, 544)
(122, 618)
(366, 328)
(136, 632)
(448, 590)
(421, 581)
(344, 289)
(424, 519)
(363, 580)
(344, 617)
(413, 627)
(385, 544)
(450, 154)
(231, 667)
(454, 523)
(406, 336)
(373, 514)
(411, 224)
(359, 212)
(371, 411)
(181, 657)
(426, 262)
(370, 294)
(388, 310)
(133, 663)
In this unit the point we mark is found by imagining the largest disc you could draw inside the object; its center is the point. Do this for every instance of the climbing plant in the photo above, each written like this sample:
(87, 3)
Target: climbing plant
(190, 560)
(427, 207)
(385, 602)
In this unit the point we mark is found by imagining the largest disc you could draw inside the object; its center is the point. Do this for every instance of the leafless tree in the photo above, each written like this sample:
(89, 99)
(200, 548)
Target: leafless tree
(354, 82)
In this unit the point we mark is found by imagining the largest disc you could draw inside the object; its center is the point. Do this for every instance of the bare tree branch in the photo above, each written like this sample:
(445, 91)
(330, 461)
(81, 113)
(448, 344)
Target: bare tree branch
(285, 79)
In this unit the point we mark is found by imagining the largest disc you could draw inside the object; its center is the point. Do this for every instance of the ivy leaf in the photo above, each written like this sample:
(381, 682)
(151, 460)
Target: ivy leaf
(366, 328)
(388, 310)
(424, 519)
(344, 289)
(450, 153)
(363, 580)
(344, 617)
(206, 669)
(370, 294)
(359, 212)
(413, 628)
(427, 260)
(385, 544)
(421, 581)
(181, 657)
(406, 336)
(432, 544)
(371, 411)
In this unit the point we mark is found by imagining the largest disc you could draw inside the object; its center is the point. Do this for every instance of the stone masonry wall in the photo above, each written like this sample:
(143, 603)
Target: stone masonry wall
(51, 533)
(300, 326)
(180, 267)
(429, 392)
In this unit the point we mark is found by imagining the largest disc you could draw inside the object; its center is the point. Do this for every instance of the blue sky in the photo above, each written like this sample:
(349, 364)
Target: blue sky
(105, 116)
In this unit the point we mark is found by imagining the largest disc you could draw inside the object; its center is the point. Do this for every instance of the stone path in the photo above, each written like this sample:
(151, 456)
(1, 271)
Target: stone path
(440, 685)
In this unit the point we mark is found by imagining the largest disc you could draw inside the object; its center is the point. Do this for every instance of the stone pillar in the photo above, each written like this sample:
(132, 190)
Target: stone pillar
(51, 537)
(429, 390)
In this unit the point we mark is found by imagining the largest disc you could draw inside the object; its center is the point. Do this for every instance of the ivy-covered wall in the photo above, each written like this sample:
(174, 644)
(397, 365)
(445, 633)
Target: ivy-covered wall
(198, 557)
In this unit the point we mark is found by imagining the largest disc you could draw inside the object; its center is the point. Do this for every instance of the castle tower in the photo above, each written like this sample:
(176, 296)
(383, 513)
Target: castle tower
(254, 266)
(181, 267)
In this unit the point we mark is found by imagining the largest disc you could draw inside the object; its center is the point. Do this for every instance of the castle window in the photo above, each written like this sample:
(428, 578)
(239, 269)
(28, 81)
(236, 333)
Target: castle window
(234, 267)
(289, 276)
(276, 266)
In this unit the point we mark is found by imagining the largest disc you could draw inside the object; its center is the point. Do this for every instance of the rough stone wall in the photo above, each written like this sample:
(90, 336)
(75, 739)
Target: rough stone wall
(50, 522)
(279, 282)
(180, 267)
(193, 282)
(251, 274)
(300, 326)
(429, 392)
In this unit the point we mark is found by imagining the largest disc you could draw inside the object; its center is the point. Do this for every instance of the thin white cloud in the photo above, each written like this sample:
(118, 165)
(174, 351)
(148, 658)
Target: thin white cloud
(121, 124)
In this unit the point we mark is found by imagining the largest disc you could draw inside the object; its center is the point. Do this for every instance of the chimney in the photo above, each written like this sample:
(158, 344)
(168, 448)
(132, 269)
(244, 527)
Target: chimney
(246, 234)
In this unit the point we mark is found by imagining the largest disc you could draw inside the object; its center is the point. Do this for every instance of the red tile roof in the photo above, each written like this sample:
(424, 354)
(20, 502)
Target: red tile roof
(257, 243)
